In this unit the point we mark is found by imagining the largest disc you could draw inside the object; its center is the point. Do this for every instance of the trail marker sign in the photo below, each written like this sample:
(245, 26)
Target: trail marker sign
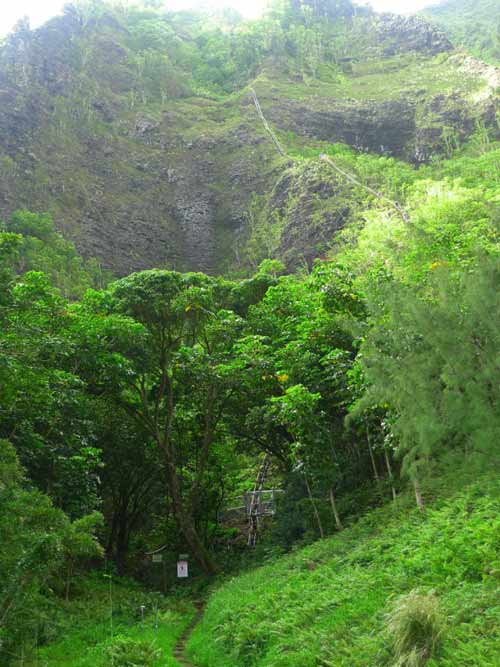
(182, 567)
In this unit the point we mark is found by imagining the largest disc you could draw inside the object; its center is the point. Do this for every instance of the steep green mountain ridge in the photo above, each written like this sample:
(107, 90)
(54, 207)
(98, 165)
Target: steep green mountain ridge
(136, 129)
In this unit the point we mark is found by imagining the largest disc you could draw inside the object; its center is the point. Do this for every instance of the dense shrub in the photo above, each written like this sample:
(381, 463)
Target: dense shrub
(130, 652)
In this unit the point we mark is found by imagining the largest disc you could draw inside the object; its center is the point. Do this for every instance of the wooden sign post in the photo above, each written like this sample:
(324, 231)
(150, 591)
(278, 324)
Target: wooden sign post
(157, 559)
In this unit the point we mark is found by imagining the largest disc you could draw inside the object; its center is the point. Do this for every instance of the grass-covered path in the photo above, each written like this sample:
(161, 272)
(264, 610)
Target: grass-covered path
(180, 647)
(323, 604)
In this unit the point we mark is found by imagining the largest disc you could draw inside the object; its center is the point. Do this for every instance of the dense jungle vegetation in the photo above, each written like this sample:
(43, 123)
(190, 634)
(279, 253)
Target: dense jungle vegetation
(471, 24)
(134, 410)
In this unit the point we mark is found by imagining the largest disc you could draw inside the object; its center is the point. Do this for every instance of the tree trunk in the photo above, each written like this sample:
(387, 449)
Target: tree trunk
(110, 547)
(122, 544)
(372, 457)
(336, 514)
(69, 575)
(200, 552)
(389, 472)
(418, 495)
(185, 521)
(316, 513)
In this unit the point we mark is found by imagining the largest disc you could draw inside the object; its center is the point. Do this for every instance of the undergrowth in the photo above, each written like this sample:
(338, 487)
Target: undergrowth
(112, 622)
(340, 601)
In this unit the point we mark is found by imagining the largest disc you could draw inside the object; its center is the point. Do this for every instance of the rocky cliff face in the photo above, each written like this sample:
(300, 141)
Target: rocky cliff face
(141, 170)
(310, 192)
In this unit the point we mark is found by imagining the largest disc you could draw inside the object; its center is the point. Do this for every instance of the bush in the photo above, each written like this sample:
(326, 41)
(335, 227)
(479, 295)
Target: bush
(415, 625)
(129, 652)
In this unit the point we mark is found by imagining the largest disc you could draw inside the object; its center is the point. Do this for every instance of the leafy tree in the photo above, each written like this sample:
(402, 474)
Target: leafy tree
(45, 410)
(36, 541)
(179, 390)
(42, 248)
(132, 480)
(79, 544)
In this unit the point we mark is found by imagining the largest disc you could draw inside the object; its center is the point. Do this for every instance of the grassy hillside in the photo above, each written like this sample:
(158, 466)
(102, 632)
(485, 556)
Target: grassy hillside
(328, 604)
(474, 24)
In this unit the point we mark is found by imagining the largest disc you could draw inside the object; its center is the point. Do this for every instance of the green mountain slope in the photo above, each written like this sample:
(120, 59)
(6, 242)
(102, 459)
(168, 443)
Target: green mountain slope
(473, 24)
(330, 603)
(136, 128)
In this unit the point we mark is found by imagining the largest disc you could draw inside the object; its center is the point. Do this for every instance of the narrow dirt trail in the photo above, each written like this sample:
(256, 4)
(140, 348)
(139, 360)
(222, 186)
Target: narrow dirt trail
(180, 647)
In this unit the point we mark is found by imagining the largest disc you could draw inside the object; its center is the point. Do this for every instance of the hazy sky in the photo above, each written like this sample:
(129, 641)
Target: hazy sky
(40, 10)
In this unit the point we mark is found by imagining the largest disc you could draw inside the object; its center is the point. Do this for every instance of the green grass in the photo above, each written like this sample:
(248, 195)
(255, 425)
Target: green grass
(477, 162)
(378, 79)
(83, 629)
(328, 604)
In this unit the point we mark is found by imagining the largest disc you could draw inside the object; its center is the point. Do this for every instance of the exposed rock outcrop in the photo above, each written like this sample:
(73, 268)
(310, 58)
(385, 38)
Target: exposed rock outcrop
(401, 34)
(311, 203)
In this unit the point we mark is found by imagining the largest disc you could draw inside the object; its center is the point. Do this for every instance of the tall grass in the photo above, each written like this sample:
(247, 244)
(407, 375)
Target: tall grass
(415, 625)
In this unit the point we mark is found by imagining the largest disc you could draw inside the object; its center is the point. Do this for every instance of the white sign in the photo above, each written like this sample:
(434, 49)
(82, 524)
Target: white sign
(182, 569)
(157, 558)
